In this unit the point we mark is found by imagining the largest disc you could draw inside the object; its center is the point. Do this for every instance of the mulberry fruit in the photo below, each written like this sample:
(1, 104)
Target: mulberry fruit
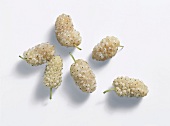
(63, 23)
(106, 49)
(39, 54)
(69, 38)
(130, 87)
(65, 32)
(83, 75)
(53, 73)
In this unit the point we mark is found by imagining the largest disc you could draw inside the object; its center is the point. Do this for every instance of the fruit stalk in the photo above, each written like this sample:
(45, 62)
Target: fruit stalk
(72, 57)
(108, 90)
(78, 47)
(22, 57)
(51, 93)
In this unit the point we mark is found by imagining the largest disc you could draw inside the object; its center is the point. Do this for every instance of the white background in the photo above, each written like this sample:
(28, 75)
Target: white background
(142, 26)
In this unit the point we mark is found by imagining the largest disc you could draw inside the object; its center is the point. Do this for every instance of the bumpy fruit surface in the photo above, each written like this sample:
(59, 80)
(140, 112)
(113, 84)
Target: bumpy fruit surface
(69, 38)
(83, 76)
(63, 23)
(106, 49)
(39, 54)
(65, 32)
(130, 87)
(53, 73)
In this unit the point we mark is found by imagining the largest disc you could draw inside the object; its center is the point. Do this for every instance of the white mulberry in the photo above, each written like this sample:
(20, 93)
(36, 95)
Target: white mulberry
(83, 75)
(65, 32)
(130, 87)
(106, 49)
(39, 54)
(53, 73)
(69, 38)
(63, 23)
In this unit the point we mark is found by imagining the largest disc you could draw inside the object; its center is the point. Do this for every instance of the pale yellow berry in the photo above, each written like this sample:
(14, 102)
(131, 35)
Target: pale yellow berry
(83, 76)
(130, 87)
(53, 72)
(63, 23)
(69, 38)
(106, 49)
(65, 32)
(39, 54)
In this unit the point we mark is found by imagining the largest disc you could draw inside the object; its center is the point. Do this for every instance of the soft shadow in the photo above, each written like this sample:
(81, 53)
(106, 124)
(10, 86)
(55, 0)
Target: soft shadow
(60, 50)
(75, 94)
(23, 68)
(42, 93)
(115, 102)
(97, 64)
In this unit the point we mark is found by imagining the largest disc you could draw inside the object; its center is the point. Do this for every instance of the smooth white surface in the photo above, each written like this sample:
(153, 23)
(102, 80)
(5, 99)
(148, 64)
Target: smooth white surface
(143, 27)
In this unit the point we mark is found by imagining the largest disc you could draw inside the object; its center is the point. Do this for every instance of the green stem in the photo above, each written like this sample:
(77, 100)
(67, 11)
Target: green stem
(121, 47)
(109, 90)
(22, 57)
(78, 47)
(51, 93)
(72, 57)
